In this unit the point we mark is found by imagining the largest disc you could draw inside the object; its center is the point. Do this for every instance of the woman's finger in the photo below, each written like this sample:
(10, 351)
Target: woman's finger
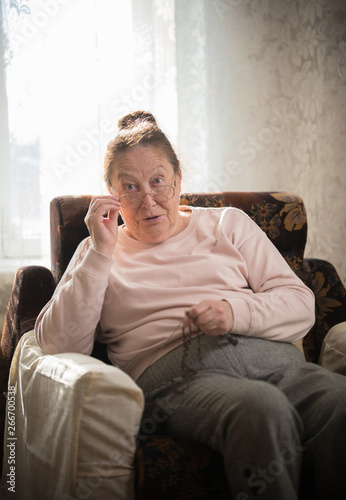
(213, 317)
(102, 223)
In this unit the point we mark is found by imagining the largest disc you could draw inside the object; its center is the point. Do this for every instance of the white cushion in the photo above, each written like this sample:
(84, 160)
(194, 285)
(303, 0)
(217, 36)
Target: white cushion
(76, 424)
(333, 351)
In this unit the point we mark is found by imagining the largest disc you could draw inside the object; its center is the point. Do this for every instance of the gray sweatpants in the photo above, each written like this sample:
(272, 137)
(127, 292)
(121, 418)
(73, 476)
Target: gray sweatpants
(272, 415)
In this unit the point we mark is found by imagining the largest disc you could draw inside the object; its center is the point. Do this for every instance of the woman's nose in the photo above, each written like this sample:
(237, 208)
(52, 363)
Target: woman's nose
(148, 200)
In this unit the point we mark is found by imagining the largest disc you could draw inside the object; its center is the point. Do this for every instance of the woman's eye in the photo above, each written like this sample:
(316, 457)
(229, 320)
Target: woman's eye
(130, 187)
(158, 180)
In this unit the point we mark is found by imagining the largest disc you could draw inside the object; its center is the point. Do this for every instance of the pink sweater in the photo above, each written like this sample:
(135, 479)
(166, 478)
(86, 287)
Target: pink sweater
(135, 301)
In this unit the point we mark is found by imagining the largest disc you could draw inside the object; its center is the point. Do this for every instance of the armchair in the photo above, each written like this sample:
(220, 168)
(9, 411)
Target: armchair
(164, 466)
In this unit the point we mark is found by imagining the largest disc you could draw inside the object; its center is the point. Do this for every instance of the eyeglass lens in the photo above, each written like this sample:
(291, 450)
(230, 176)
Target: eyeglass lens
(159, 193)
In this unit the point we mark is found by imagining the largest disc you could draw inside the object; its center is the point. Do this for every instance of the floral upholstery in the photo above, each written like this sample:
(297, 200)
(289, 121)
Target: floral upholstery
(165, 466)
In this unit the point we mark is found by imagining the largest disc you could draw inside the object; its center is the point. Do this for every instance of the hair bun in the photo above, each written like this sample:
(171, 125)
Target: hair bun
(136, 118)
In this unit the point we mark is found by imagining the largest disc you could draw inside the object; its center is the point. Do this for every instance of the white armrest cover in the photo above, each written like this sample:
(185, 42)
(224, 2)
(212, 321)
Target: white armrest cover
(333, 351)
(76, 425)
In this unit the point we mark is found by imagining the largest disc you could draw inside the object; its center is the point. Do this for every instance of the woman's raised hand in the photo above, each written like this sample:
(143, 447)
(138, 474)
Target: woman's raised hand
(102, 222)
(212, 317)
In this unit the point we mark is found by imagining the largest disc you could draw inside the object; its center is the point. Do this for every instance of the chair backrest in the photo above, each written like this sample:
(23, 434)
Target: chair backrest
(281, 215)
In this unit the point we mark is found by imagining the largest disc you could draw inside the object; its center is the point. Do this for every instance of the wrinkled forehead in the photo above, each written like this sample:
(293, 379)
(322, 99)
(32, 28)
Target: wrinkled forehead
(140, 161)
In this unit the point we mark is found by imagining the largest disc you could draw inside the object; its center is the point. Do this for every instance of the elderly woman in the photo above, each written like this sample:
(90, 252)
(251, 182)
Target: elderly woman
(201, 310)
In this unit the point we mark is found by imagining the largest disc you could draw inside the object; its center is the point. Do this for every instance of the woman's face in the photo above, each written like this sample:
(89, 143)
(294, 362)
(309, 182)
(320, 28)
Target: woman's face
(140, 170)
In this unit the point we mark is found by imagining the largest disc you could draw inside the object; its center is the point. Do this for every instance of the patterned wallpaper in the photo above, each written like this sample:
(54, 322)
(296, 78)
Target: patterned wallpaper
(282, 115)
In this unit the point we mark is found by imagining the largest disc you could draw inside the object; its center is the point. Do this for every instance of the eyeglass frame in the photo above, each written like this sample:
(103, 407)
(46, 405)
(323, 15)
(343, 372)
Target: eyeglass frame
(149, 192)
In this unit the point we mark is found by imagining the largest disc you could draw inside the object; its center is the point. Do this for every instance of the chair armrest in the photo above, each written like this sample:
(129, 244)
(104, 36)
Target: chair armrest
(330, 294)
(333, 352)
(32, 288)
(76, 425)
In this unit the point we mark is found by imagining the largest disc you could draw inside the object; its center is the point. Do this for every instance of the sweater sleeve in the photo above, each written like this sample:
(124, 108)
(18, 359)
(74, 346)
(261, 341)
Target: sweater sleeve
(282, 307)
(69, 320)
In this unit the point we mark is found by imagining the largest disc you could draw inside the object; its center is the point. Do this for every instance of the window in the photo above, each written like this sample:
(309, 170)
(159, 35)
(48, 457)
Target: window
(71, 69)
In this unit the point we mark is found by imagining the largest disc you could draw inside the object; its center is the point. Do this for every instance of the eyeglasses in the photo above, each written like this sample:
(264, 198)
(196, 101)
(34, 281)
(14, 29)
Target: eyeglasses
(158, 193)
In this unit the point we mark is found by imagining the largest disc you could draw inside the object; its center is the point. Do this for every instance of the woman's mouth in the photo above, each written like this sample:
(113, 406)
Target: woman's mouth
(153, 218)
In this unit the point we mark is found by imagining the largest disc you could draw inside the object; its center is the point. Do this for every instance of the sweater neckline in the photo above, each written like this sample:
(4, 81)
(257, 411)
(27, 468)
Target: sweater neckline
(139, 245)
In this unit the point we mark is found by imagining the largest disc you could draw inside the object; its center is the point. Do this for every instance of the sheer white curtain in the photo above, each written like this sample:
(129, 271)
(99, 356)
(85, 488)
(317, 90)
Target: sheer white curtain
(71, 68)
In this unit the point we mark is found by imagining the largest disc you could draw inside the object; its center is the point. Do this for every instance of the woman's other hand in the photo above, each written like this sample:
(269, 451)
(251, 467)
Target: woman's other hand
(102, 222)
(212, 317)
